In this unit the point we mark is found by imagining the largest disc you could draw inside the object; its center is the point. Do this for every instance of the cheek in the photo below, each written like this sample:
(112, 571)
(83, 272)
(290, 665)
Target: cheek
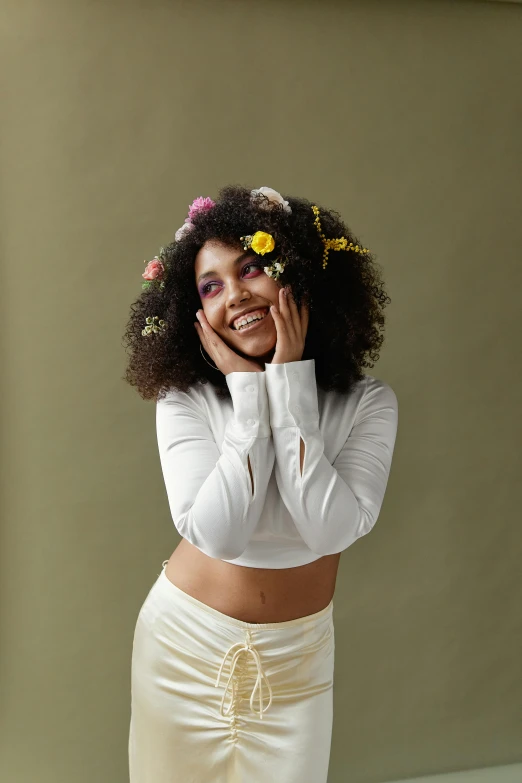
(213, 315)
(268, 288)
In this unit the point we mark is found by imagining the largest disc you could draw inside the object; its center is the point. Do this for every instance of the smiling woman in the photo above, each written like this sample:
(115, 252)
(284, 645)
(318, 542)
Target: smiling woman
(346, 299)
(275, 448)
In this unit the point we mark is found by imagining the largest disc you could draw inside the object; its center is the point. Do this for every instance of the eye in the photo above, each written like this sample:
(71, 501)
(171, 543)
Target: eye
(205, 288)
(254, 265)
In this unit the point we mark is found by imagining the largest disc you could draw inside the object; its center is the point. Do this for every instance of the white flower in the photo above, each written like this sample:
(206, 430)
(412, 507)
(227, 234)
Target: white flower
(180, 233)
(268, 270)
(273, 198)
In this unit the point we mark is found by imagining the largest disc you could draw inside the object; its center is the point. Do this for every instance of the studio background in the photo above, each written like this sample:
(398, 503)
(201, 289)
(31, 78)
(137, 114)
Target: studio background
(406, 117)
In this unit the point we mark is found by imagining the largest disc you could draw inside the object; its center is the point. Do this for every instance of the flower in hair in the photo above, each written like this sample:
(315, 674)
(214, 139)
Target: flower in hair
(154, 269)
(201, 204)
(185, 228)
(260, 242)
(152, 326)
(340, 243)
(276, 269)
(266, 198)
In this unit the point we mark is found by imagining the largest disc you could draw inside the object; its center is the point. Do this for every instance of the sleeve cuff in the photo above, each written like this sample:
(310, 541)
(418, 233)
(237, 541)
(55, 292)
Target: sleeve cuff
(250, 403)
(292, 394)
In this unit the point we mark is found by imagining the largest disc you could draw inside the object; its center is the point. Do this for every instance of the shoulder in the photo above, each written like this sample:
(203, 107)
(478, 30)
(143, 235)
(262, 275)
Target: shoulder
(376, 395)
(367, 389)
(200, 398)
(378, 388)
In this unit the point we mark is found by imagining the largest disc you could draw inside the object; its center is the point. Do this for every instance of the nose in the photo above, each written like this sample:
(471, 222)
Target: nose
(237, 294)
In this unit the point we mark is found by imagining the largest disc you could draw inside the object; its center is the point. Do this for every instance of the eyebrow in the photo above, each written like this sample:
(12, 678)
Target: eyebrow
(211, 272)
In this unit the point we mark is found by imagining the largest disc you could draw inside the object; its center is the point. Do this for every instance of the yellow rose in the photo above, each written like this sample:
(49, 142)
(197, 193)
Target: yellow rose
(262, 243)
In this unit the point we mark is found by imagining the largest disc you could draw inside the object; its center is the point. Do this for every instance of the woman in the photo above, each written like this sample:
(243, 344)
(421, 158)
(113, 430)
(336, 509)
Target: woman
(275, 450)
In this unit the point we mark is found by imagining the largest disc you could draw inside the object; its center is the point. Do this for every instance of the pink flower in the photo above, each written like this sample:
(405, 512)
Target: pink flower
(154, 270)
(200, 204)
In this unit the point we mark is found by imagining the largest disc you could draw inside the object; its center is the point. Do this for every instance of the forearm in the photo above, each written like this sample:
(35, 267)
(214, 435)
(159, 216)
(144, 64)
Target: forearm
(216, 493)
(331, 504)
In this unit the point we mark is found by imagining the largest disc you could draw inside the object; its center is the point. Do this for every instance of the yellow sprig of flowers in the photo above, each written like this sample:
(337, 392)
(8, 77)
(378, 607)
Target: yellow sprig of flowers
(334, 244)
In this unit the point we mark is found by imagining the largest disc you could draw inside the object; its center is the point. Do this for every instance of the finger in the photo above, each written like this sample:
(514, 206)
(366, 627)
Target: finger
(284, 307)
(202, 318)
(277, 316)
(280, 324)
(296, 316)
(204, 336)
(217, 349)
(305, 315)
(201, 335)
(293, 312)
(204, 325)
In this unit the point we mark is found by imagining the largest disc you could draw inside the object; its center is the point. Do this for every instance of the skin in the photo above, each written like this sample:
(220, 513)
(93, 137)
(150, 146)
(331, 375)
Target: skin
(241, 286)
(257, 595)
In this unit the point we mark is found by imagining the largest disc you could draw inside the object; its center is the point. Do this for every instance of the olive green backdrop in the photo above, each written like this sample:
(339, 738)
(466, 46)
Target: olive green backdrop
(407, 118)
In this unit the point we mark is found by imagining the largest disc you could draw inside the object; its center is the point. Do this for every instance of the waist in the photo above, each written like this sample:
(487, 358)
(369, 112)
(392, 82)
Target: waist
(253, 595)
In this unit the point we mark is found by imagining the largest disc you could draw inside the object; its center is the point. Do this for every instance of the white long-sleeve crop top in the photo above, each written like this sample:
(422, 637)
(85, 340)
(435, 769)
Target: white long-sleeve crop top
(287, 518)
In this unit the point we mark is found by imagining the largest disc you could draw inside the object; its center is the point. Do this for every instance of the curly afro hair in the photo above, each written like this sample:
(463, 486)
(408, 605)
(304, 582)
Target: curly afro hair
(345, 299)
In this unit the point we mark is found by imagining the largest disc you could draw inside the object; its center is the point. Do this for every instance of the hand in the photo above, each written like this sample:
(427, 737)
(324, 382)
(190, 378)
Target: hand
(291, 328)
(223, 357)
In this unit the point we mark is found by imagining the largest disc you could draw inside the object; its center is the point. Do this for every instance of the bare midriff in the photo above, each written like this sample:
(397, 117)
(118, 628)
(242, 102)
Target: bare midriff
(254, 595)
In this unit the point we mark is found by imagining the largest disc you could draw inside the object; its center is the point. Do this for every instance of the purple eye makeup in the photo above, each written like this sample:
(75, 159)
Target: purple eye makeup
(205, 289)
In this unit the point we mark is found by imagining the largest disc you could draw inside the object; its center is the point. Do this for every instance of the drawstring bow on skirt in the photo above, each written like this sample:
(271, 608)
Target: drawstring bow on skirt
(249, 648)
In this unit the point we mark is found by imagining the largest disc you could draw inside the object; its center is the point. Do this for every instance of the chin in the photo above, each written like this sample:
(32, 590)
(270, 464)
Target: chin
(255, 353)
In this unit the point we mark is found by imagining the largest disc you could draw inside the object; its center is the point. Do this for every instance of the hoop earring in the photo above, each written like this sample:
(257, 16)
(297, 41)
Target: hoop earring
(207, 361)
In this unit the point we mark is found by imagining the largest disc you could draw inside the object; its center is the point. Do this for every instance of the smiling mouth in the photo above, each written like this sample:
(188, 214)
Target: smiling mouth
(252, 325)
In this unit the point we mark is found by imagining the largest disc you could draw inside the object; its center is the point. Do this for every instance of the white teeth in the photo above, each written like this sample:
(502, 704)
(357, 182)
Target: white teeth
(248, 320)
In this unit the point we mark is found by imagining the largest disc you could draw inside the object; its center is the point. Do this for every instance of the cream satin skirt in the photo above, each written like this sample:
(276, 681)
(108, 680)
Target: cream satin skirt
(218, 700)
